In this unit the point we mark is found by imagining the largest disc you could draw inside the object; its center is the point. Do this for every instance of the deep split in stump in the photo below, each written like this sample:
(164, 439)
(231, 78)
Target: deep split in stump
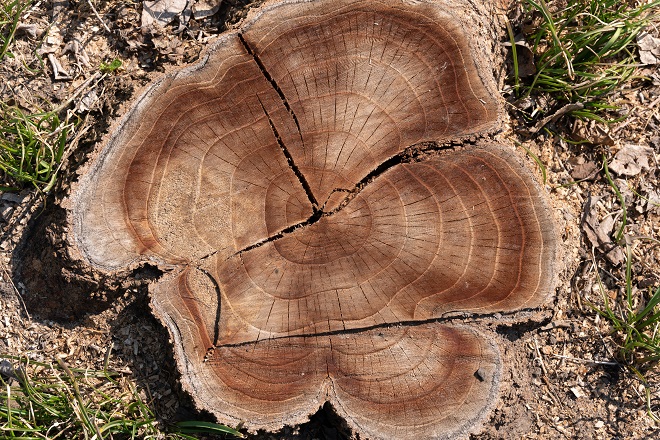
(308, 190)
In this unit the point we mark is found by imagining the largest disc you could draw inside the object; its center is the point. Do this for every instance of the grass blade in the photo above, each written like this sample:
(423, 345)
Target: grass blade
(192, 427)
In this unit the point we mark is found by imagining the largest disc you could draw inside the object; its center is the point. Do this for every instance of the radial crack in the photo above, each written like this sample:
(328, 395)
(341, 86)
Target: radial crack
(289, 160)
(271, 80)
(280, 93)
(310, 221)
(412, 153)
(216, 287)
(463, 318)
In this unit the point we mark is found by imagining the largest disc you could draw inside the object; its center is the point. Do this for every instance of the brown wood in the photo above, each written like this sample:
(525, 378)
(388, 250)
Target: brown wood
(305, 187)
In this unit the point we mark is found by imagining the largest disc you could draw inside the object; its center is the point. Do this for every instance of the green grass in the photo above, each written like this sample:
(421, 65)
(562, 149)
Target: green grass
(583, 51)
(635, 318)
(32, 143)
(32, 146)
(635, 322)
(111, 67)
(55, 401)
(10, 16)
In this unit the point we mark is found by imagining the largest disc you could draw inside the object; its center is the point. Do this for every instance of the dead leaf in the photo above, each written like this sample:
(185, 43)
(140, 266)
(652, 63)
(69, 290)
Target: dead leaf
(78, 51)
(59, 72)
(7, 370)
(88, 101)
(653, 200)
(649, 48)
(631, 160)
(650, 199)
(161, 12)
(655, 142)
(625, 190)
(58, 7)
(205, 8)
(583, 169)
(31, 30)
(592, 133)
(577, 392)
(598, 233)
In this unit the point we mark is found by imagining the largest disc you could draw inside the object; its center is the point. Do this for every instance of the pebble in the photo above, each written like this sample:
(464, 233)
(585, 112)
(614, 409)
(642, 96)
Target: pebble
(577, 392)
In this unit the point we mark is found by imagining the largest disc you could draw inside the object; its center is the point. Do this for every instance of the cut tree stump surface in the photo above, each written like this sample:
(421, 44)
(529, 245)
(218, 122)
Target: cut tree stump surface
(306, 190)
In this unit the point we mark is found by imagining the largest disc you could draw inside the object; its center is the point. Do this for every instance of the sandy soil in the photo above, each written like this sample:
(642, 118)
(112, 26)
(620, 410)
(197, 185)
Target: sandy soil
(563, 378)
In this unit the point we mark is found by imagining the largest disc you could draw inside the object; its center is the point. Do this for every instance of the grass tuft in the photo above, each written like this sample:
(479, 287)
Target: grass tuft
(584, 50)
(32, 146)
(10, 16)
(54, 401)
(636, 318)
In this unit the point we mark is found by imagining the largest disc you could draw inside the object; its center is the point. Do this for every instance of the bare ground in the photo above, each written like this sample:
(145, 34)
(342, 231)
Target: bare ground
(562, 378)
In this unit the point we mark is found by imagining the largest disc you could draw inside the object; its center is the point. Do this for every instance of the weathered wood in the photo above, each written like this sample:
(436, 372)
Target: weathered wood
(304, 186)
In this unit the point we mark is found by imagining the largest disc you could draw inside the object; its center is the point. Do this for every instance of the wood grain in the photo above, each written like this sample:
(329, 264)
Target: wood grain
(305, 187)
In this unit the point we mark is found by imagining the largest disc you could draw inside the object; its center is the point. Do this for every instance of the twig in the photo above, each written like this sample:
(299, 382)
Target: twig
(16, 291)
(545, 379)
(586, 361)
(98, 76)
(553, 117)
(539, 357)
(89, 2)
(557, 324)
(563, 359)
(654, 102)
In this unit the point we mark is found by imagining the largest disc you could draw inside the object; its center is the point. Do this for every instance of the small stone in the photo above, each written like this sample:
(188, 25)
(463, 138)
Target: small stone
(577, 392)
(7, 369)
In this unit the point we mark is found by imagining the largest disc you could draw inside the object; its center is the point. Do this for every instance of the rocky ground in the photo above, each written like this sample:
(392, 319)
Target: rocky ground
(563, 378)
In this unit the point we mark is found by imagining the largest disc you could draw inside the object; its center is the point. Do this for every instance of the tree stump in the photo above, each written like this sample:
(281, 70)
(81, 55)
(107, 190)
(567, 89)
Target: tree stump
(317, 192)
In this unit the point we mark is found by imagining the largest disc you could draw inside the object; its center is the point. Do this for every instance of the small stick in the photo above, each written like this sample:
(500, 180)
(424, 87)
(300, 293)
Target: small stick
(540, 357)
(655, 101)
(586, 361)
(553, 117)
(16, 291)
(98, 76)
(89, 2)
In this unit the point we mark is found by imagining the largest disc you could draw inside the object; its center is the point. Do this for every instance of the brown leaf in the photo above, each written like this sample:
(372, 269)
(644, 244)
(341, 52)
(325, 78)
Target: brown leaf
(650, 201)
(598, 233)
(649, 48)
(525, 58)
(631, 160)
(556, 115)
(205, 8)
(31, 30)
(161, 12)
(584, 170)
